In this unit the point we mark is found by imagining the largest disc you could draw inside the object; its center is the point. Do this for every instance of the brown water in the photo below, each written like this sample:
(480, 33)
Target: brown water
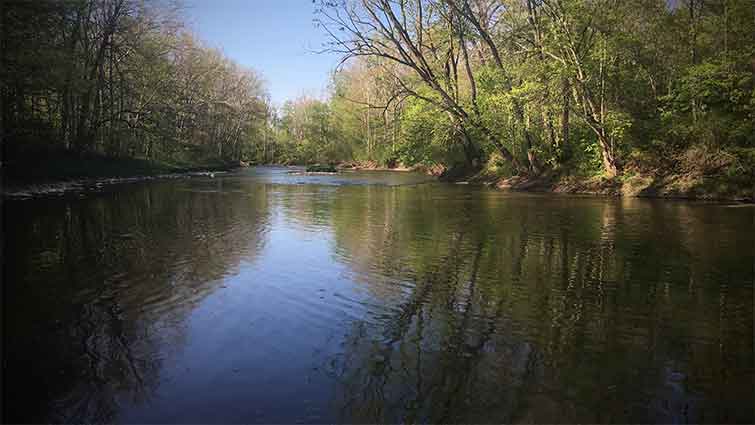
(261, 296)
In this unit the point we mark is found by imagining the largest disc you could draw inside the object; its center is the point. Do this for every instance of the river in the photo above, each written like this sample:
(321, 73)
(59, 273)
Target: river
(262, 296)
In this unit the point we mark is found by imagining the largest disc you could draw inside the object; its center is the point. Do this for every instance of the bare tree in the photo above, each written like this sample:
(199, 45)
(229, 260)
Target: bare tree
(401, 32)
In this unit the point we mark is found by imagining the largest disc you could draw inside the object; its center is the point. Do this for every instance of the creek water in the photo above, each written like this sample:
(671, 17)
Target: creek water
(263, 296)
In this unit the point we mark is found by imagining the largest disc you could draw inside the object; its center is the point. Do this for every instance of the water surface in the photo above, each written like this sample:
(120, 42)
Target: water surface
(265, 297)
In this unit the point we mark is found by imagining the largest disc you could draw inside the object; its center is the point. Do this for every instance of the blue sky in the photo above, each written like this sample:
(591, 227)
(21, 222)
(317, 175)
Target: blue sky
(275, 37)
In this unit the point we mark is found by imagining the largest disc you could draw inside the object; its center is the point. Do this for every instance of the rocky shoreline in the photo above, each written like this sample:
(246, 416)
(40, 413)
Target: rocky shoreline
(61, 188)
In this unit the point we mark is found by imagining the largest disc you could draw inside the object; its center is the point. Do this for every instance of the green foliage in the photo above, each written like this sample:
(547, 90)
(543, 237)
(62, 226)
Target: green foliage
(427, 136)
(118, 78)
(559, 84)
(307, 133)
(585, 159)
(320, 168)
(712, 103)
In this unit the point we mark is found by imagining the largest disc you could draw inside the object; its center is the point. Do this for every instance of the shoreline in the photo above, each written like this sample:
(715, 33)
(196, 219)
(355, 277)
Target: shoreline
(64, 187)
(60, 175)
(634, 184)
(667, 188)
(673, 186)
(436, 170)
(670, 187)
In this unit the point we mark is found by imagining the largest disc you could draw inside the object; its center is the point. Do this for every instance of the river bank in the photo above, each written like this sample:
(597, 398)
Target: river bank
(633, 183)
(673, 186)
(436, 170)
(57, 175)
(694, 183)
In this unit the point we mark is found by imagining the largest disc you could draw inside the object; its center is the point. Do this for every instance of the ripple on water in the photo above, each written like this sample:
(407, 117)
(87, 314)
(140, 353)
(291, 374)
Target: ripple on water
(370, 297)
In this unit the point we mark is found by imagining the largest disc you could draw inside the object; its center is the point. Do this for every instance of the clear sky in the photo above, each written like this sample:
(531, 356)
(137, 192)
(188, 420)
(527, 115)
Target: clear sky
(275, 37)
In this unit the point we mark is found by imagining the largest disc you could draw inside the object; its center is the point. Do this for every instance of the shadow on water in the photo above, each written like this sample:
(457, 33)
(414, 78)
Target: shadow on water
(387, 302)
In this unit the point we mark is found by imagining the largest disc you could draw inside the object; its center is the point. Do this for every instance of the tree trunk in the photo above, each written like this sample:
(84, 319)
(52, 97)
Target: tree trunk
(82, 130)
(608, 155)
(564, 153)
(471, 152)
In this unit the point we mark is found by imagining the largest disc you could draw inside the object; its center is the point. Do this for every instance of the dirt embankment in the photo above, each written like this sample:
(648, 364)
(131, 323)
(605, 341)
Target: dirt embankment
(690, 177)
(668, 185)
(698, 172)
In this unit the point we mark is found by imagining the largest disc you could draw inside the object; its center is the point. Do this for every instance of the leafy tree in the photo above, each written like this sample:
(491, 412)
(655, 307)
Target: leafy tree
(122, 78)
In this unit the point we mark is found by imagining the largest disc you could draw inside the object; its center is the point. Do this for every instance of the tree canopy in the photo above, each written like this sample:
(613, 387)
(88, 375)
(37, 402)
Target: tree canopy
(592, 87)
(122, 78)
(538, 84)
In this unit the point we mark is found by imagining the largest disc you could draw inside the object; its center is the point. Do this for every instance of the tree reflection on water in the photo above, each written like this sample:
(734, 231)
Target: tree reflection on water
(451, 304)
(101, 287)
(577, 313)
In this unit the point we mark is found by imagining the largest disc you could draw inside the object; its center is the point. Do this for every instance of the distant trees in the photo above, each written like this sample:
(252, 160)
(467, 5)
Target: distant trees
(368, 107)
(122, 78)
(305, 133)
(541, 84)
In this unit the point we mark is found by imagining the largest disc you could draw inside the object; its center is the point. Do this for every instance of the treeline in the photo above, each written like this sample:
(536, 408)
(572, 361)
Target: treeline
(122, 78)
(594, 87)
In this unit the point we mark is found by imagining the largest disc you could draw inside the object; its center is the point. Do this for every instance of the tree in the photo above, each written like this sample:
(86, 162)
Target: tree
(122, 78)
(426, 38)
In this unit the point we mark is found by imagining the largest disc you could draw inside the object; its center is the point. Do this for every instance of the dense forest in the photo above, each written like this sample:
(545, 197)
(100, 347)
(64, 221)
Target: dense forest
(512, 87)
(599, 87)
(122, 78)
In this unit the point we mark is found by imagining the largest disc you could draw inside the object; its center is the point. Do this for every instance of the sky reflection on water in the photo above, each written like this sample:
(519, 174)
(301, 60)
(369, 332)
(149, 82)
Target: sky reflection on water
(263, 296)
